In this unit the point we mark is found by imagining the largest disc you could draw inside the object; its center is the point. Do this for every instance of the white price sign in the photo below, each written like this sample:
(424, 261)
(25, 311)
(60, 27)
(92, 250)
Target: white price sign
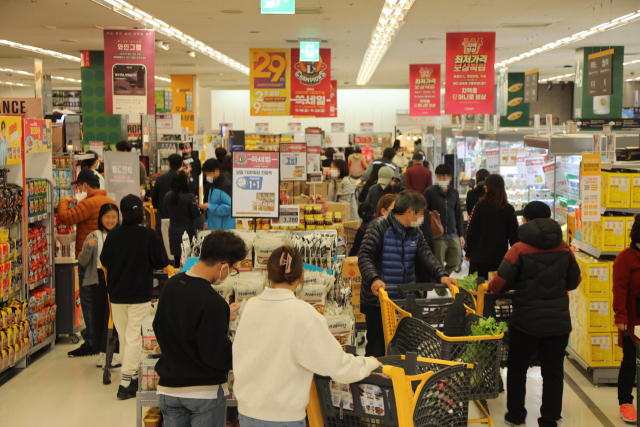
(293, 161)
(493, 160)
(535, 174)
(294, 127)
(289, 216)
(366, 127)
(255, 184)
(262, 127)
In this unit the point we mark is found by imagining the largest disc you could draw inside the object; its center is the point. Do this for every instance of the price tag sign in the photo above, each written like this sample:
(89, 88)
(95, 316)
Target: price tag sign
(493, 160)
(289, 216)
(366, 127)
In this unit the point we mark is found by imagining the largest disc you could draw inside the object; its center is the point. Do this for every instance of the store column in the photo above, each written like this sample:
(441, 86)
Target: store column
(598, 83)
(186, 99)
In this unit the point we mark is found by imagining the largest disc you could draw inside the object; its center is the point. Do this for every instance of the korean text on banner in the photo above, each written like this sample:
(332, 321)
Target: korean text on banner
(122, 174)
(535, 174)
(129, 70)
(313, 136)
(255, 184)
(293, 161)
(269, 74)
(424, 92)
(470, 74)
(10, 140)
(333, 105)
(37, 136)
(98, 148)
(591, 187)
(311, 85)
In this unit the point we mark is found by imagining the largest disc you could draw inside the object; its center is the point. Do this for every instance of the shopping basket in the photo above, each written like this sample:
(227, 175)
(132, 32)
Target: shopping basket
(500, 307)
(395, 395)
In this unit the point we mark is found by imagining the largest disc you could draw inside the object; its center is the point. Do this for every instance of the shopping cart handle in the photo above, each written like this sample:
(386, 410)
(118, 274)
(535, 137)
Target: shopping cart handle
(415, 287)
(351, 349)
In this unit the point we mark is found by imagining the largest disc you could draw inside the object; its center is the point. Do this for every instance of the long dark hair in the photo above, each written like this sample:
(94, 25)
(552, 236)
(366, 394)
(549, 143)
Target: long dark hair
(481, 175)
(179, 184)
(105, 209)
(497, 196)
(227, 164)
(87, 163)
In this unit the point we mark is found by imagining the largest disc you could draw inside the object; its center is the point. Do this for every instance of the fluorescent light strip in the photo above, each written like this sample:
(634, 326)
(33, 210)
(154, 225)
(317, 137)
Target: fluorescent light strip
(14, 84)
(598, 29)
(146, 19)
(39, 51)
(563, 77)
(392, 18)
(25, 73)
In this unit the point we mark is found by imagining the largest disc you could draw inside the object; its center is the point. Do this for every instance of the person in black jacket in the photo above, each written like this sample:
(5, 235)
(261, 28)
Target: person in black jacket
(191, 325)
(162, 187)
(385, 179)
(541, 268)
(181, 207)
(493, 227)
(446, 201)
(367, 214)
(476, 193)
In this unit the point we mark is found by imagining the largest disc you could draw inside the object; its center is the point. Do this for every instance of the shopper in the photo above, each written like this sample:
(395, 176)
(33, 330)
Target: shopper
(385, 205)
(130, 255)
(446, 201)
(492, 228)
(217, 197)
(196, 171)
(541, 268)
(192, 325)
(88, 200)
(373, 180)
(94, 164)
(328, 154)
(626, 294)
(89, 258)
(342, 188)
(181, 207)
(226, 167)
(417, 145)
(367, 214)
(357, 164)
(418, 177)
(387, 160)
(299, 344)
(385, 178)
(393, 248)
(162, 187)
(124, 147)
(399, 159)
(477, 192)
(220, 154)
(425, 163)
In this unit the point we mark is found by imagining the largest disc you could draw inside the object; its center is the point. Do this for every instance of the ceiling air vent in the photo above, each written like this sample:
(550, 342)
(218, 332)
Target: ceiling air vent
(526, 25)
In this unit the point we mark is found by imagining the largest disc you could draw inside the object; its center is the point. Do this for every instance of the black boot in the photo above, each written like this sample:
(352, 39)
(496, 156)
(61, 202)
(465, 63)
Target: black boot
(125, 393)
(82, 351)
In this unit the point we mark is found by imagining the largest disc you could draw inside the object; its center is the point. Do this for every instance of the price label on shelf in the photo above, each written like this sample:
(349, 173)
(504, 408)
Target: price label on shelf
(289, 216)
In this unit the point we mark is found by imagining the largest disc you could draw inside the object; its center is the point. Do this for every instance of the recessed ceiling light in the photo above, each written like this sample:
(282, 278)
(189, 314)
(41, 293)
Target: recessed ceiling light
(254, 32)
(231, 11)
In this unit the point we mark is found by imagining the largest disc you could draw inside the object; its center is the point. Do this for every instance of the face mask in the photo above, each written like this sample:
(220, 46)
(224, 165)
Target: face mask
(209, 179)
(443, 184)
(383, 186)
(142, 193)
(418, 222)
(98, 164)
(335, 174)
(219, 281)
(81, 196)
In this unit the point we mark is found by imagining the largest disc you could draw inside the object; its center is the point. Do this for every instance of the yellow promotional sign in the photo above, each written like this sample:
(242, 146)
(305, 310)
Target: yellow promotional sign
(182, 86)
(10, 140)
(591, 187)
(269, 72)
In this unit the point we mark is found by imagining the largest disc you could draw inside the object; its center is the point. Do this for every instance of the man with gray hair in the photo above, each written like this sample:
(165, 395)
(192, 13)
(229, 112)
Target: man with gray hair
(392, 250)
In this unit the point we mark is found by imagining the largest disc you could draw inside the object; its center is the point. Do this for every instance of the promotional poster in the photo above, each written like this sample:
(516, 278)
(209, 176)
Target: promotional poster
(424, 80)
(37, 136)
(293, 161)
(10, 140)
(311, 85)
(255, 184)
(269, 82)
(333, 106)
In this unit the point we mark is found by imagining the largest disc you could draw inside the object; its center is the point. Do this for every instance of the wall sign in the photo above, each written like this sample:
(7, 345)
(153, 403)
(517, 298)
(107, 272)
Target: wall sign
(599, 73)
(262, 127)
(366, 127)
(293, 161)
(255, 184)
(337, 127)
(313, 137)
(269, 82)
(311, 85)
(294, 127)
(424, 91)
(531, 85)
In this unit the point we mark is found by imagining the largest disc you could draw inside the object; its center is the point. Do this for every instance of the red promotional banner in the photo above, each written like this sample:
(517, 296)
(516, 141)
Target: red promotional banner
(311, 85)
(129, 72)
(425, 90)
(470, 74)
(333, 107)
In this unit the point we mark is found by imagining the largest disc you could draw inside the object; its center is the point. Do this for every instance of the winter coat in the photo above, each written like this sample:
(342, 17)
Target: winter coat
(400, 161)
(218, 197)
(85, 215)
(385, 255)
(160, 189)
(473, 197)
(182, 218)
(344, 192)
(626, 291)
(385, 162)
(374, 195)
(418, 178)
(357, 242)
(89, 258)
(357, 164)
(490, 233)
(541, 268)
(448, 206)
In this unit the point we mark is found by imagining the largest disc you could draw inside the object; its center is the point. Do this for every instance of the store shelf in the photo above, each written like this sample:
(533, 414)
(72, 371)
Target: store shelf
(601, 374)
(621, 210)
(37, 218)
(62, 186)
(597, 253)
(6, 368)
(561, 218)
(65, 260)
(566, 195)
(9, 226)
(50, 339)
(9, 296)
(39, 283)
(620, 165)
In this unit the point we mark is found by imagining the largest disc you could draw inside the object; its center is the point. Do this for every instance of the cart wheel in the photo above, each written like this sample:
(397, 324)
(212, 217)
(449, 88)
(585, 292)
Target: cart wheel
(361, 341)
(458, 269)
(75, 339)
(106, 376)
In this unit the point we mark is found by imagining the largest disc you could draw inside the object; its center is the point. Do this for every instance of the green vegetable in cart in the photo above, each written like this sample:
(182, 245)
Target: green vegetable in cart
(488, 327)
(469, 282)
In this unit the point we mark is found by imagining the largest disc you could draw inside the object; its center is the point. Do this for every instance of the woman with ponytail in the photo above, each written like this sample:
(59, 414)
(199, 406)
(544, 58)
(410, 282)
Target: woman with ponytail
(280, 343)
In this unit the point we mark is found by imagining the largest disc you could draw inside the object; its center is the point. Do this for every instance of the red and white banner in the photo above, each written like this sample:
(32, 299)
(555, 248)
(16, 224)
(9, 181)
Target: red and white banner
(424, 80)
(311, 85)
(333, 106)
(129, 70)
(470, 75)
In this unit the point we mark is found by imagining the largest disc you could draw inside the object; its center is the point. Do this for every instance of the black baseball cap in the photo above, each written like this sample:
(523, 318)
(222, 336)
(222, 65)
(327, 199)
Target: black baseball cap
(493, 180)
(535, 210)
(86, 175)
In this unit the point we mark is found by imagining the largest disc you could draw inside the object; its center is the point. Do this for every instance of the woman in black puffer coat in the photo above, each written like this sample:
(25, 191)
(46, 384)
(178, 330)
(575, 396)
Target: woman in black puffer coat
(182, 208)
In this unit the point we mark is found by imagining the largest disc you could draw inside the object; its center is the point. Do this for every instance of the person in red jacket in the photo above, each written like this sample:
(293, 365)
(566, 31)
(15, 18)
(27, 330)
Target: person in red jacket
(418, 177)
(626, 296)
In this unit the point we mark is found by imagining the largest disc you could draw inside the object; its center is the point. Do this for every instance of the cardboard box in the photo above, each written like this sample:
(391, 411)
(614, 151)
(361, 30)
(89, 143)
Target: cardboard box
(302, 200)
(635, 190)
(628, 226)
(294, 188)
(597, 317)
(344, 208)
(319, 189)
(616, 189)
(351, 274)
(597, 349)
(596, 277)
(612, 230)
(571, 227)
(617, 351)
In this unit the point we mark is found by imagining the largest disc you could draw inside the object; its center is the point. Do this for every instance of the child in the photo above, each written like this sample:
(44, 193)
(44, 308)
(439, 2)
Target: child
(108, 219)
(297, 343)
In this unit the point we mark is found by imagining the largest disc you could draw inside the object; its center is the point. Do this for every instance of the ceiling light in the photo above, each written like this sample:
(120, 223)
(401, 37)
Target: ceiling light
(39, 50)
(191, 54)
(11, 84)
(629, 80)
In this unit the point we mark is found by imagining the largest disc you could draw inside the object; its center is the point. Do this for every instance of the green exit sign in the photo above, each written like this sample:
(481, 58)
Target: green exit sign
(278, 7)
(310, 51)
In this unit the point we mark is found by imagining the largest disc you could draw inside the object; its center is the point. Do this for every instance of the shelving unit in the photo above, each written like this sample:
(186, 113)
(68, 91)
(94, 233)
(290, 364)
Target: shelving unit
(594, 252)
(601, 375)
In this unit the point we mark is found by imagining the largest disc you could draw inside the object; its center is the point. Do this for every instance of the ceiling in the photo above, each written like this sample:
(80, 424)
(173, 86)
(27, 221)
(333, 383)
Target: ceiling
(347, 25)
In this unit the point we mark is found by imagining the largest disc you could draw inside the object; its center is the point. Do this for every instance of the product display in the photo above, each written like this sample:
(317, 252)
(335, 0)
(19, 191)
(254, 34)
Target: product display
(15, 332)
(42, 313)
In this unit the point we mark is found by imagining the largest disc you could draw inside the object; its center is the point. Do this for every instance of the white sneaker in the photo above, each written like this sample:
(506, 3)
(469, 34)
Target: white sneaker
(101, 360)
(115, 363)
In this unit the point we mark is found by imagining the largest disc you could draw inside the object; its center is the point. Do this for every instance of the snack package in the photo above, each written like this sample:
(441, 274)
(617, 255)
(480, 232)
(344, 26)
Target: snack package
(225, 290)
(341, 328)
(264, 245)
(316, 295)
(150, 378)
(248, 236)
(247, 290)
(149, 340)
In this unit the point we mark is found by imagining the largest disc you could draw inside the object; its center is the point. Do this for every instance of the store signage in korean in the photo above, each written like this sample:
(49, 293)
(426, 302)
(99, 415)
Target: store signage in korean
(599, 73)
(424, 92)
(129, 70)
(618, 124)
(470, 74)
(164, 121)
(310, 51)
(531, 85)
(293, 161)
(461, 149)
(289, 216)
(313, 137)
(294, 127)
(121, 174)
(549, 169)
(493, 160)
(262, 127)
(37, 136)
(337, 127)
(283, 7)
(535, 174)
(366, 127)
(269, 74)
(255, 184)
(333, 104)
(85, 58)
(311, 85)
(98, 148)
(590, 187)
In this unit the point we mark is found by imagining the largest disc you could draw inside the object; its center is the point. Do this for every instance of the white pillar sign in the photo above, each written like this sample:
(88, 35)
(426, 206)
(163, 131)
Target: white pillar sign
(313, 137)
(255, 184)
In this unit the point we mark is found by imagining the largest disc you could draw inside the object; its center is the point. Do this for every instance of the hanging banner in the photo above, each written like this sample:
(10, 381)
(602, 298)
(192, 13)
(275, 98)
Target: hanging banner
(470, 74)
(129, 71)
(121, 174)
(293, 161)
(269, 74)
(333, 106)
(590, 186)
(502, 92)
(313, 137)
(424, 91)
(311, 85)
(255, 184)
(37, 136)
(493, 160)
(10, 140)
(531, 85)
(535, 174)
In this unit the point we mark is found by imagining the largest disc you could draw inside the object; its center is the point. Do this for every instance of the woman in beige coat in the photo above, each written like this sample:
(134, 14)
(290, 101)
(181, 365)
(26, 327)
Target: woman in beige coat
(342, 187)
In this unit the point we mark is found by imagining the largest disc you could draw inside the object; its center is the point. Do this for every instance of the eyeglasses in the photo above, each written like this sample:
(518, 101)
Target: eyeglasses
(233, 271)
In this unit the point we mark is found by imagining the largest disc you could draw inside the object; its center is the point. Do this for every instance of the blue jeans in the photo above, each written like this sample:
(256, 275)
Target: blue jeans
(180, 412)
(85, 304)
(252, 422)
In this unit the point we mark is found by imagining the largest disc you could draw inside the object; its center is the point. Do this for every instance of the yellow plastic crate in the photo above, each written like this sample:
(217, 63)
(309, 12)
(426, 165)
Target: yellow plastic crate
(616, 189)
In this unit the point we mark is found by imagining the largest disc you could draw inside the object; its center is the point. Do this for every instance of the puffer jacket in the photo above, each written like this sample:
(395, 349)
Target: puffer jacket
(218, 197)
(84, 215)
(385, 255)
(448, 206)
(357, 164)
(540, 269)
(182, 218)
(344, 192)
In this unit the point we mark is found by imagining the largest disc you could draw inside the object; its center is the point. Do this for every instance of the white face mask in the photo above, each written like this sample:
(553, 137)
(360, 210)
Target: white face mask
(335, 174)
(142, 193)
(209, 179)
(81, 195)
(98, 164)
(219, 281)
(443, 184)
(418, 222)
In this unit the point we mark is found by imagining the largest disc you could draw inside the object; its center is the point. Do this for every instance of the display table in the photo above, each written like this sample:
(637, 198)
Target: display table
(69, 319)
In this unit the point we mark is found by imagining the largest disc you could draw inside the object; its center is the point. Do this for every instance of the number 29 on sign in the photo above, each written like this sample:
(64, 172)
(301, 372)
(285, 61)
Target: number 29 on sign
(269, 82)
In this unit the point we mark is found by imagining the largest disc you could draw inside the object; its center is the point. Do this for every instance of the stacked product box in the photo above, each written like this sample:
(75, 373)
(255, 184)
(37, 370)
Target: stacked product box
(36, 197)
(608, 234)
(39, 265)
(42, 313)
(14, 332)
(62, 178)
(150, 352)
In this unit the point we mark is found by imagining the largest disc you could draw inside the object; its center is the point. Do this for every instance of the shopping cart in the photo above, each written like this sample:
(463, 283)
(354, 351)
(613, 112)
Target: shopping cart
(406, 392)
(350, 234)
(500, 307)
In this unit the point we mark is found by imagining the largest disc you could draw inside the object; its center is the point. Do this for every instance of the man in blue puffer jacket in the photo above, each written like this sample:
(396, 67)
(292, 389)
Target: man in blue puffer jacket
(217, 197)
(393, 249)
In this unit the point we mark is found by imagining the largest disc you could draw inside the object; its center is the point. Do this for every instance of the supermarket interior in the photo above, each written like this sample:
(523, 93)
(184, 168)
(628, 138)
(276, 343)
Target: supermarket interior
(459, 181)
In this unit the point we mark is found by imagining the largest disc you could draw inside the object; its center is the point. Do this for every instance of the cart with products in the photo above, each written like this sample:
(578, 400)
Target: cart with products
(500, 307)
